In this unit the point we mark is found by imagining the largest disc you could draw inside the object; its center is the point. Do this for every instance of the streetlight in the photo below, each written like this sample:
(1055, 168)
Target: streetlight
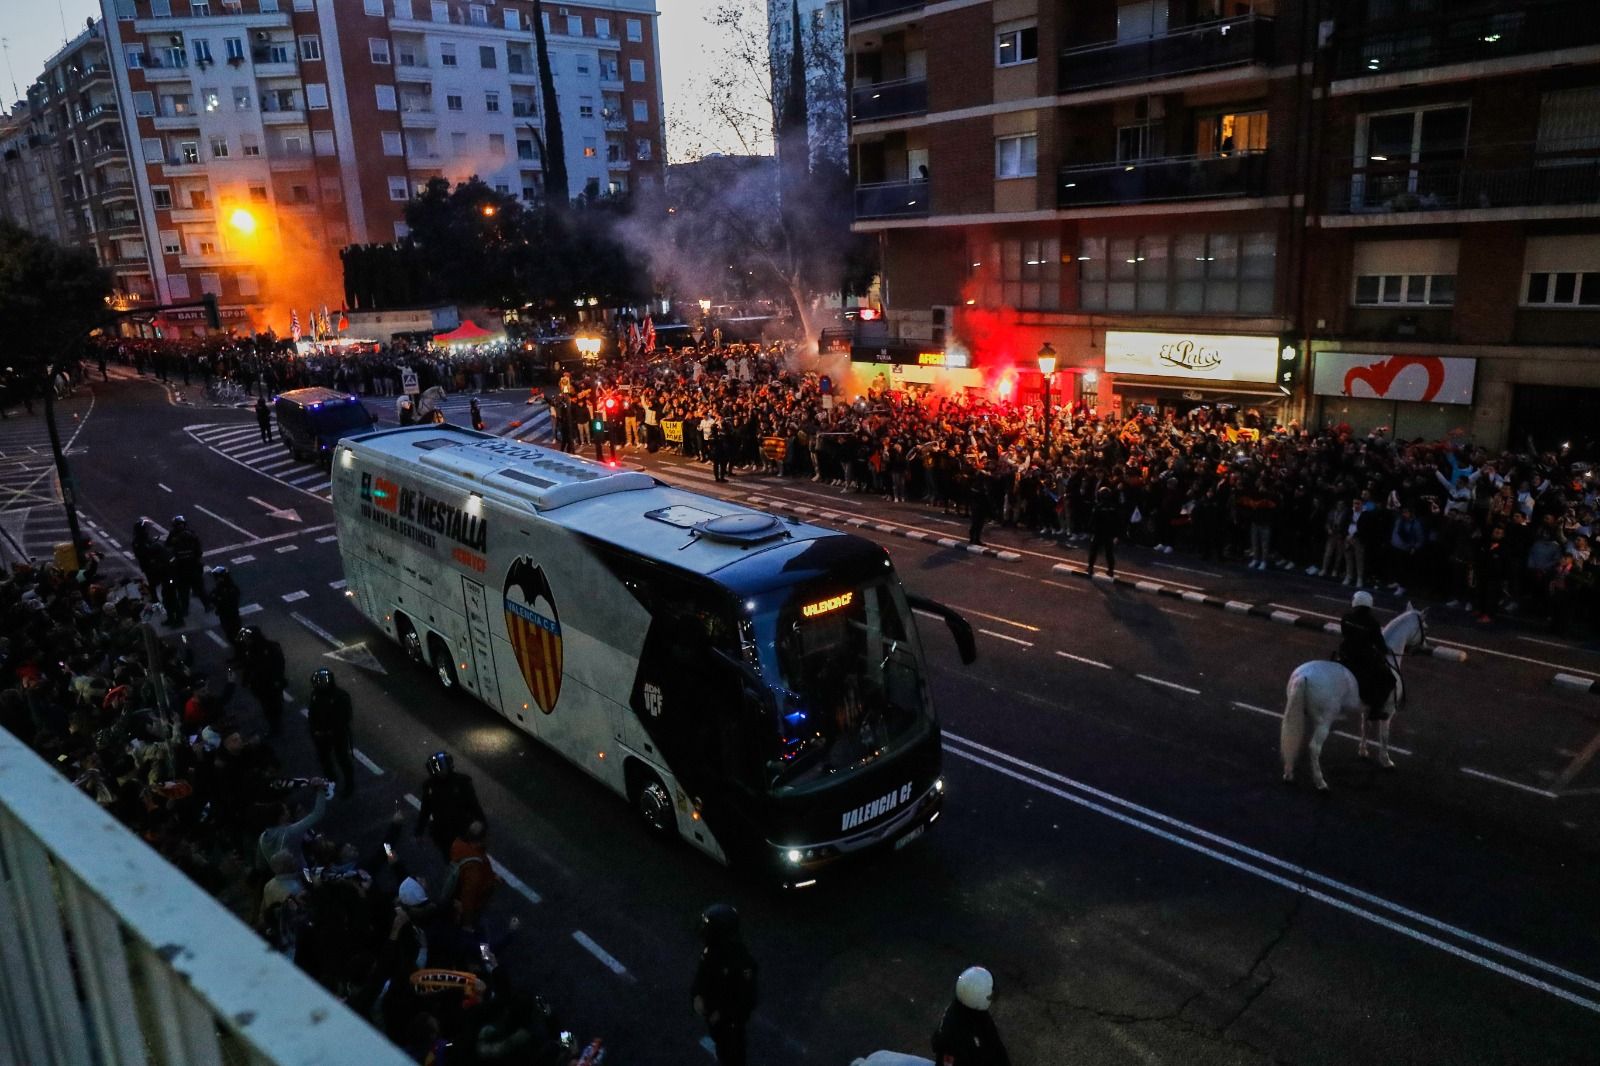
(1047, 368)
(489, 210)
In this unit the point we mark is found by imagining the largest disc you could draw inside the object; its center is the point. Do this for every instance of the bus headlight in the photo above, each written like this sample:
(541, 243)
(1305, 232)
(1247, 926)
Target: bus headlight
(938, 784)
(794, 856)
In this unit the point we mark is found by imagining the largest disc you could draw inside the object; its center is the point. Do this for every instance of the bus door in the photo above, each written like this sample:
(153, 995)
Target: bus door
(485, 681)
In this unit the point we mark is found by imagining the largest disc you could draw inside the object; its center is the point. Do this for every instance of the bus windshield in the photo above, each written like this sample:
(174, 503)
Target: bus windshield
(848, 677)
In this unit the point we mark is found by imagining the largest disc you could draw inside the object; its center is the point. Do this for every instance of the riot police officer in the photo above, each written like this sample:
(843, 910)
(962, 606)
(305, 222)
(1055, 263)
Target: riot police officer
(225, 601)
(449, 803)
(329, 718)
(725, 983)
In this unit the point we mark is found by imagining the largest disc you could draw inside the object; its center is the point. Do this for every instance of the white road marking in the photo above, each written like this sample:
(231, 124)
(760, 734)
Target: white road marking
(250, 454)
(308, 479)
(361, 757)
(516, 883)
(296, 595)
(224, 549)
(231, 525)
(1551, 644)
(1174, 611)
(287, 548)
(341, 583)
(1397, 749)
(1167, 684)
(1084, 661)
(1293, 877)
(239, 560)
(997, 618)
(329, 539)
(1185, 569)
(314, 628)
(162, 487)
(607, 960)
(249, 608)
(216, 638)
(1002, 636)
(1546, 793)
(411, 799)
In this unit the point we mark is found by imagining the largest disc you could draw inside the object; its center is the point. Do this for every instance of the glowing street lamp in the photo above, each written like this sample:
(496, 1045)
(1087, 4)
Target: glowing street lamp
(243, 221)
(1047, 369)
(489, 210)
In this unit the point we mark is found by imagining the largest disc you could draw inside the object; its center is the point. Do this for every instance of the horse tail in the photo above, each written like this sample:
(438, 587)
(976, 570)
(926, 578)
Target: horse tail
(1293, 733)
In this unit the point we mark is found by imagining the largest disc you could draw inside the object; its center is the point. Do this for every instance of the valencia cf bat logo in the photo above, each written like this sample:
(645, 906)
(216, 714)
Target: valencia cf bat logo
(535, 631)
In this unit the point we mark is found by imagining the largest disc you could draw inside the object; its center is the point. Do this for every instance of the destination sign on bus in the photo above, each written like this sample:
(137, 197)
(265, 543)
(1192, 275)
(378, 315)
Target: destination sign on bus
(832, 603)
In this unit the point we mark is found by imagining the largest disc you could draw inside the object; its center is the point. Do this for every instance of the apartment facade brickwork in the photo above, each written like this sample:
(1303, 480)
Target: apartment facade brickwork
(1313, 198)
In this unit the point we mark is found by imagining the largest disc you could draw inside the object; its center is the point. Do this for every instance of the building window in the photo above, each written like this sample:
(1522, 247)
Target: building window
(398, 189)
(378, 50)
(332, 191)
(586, 107)
(1563, 288)
(258, 193)
(452, 101)
(1241, 131)
(642, 149)
(299, 194)
(316, 96)
(211, 283)
(188, 153)
(590, 148)
(1377, 290)
(497, 144)
(234, 46)
(635, 30)
(144, 103)
(1198, 273)
(385, 95)
(1561, 272)
(204, 247)
(401, 231)
(486, 57)
(602, 27)
(241, 98)
(245, 282)
(210, 100)
(636, 70)
(440, 10)
(458, 143)
(641, 111)
(170, 242)
(513, 19)
(1569, 120)
(322, 142)
(202, 50)
(574, 26)
(178, 286)
(1410, 159)
(447, 55)
(581, 64)
(1017, 46)
(219, 148)
(1023, 274)
(310, 49)
(373, 7)
(477, 14)
(524, 148)
(161, 196)
(392, 144)
(248, 145)
(491, 102)
(1142, 141)
(402, 9)
(135, 57)
(1016, 157)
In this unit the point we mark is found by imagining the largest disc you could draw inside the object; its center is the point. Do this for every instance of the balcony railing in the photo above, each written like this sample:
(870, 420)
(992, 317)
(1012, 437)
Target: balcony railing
(861, 10)
(892, 199)
(1189, 50)
(1143, 181)
(1553, 181)
(889, 99)
(112, 955)
(1466, 38)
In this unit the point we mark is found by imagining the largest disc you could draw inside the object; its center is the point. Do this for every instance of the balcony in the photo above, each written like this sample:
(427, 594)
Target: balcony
(1401, 190)
(892, 199)
(286, 160)
(889, 99)
(1189, 50)
(1531, 27)
(99, 113)
(1146, 181)
(862, 10)
(188, 120)
(157, 73)
(283, 116)
(177, 166)
(419, 116)
(619, 164)
(274, 62)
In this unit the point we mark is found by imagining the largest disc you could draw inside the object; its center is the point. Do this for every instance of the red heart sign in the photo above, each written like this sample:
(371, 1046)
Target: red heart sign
(1380, 375)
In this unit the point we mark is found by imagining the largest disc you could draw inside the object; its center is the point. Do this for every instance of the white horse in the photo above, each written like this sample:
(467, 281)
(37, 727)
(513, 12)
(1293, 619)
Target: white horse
(1322, 690)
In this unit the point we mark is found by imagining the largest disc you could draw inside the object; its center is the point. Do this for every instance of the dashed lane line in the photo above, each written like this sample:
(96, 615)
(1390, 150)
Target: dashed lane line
(341, 583)
(1519, 786)
(1005, 637)
(607, 960)
(1084, 661)
(361, 757)
(231, 525)
(250, 608)
(516, 883)
(997, 618)
(240, 560)
(295, 596)
(1367, 906)
(315, 629)
(329, 539)
(162, 487)
(287, 548)
(216, 638)
(1167, 684)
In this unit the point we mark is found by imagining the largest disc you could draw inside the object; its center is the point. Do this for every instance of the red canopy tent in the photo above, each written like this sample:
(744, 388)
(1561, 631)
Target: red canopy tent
(469, 332)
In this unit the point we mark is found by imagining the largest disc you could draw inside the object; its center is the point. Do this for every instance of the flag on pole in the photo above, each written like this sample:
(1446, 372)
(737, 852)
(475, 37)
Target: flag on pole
(344, 320)
(294, 325)
(634, 340)
(649, 334)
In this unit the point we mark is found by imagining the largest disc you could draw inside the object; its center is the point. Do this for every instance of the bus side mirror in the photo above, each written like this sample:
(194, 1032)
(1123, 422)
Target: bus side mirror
(754, 686)
(960, 628)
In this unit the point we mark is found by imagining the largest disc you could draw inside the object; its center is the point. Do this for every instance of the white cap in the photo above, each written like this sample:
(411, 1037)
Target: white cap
(975, 988)
(1361, 599)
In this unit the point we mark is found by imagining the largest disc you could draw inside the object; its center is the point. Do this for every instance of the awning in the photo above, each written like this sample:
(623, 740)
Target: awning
(1218, 389)
(469, 332)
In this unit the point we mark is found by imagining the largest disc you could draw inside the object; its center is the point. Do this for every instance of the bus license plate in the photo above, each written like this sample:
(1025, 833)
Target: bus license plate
(909, 837)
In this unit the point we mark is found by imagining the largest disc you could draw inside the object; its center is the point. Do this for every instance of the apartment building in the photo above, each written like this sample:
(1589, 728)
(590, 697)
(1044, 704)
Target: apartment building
(1240, 201)
(1455, 271)
(268, 134)
(66, 172)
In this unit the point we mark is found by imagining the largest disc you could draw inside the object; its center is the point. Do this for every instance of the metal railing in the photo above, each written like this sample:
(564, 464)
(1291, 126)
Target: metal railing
(1186, 177)
(1187, 50)
(893, 199)
(1550, 181)
(889, 99)
(113, 958)
(1517, 29)
(861, 10)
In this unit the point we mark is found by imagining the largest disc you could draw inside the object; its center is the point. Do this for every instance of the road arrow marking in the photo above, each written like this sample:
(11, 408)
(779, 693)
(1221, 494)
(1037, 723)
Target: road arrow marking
(357, 655)
(288, 514)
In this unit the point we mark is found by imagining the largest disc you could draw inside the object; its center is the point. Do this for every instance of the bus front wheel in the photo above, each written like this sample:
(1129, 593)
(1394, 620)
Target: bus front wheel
(654, 803)
(409, 641)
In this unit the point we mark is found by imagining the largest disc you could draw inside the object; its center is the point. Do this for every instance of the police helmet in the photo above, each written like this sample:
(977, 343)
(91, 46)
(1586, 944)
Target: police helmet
(322, 678)
(219, 571)
(439, 762)
(249, 634)
(720, 921)
(1361, 599)
(975, 988)
(178, 520)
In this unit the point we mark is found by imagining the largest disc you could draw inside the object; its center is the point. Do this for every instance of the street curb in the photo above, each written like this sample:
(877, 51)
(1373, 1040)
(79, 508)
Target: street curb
(1254, 610)
(1577, 684)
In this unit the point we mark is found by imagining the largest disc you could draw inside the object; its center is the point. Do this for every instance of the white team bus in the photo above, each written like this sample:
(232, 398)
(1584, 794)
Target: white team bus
(753, 685)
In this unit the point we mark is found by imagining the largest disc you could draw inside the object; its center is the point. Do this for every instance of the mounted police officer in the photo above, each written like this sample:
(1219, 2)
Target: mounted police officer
(1365, 654)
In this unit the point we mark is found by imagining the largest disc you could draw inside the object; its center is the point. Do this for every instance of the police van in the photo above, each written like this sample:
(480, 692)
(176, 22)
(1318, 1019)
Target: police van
(752, 685)
(311, 421)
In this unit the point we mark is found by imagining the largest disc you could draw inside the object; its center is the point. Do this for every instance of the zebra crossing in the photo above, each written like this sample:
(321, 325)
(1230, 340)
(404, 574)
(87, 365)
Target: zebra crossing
(32, 519)
(241, 443)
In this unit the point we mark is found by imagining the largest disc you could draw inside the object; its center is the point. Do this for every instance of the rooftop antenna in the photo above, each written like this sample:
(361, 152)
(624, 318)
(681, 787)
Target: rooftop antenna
(61, 9)
(11, 72)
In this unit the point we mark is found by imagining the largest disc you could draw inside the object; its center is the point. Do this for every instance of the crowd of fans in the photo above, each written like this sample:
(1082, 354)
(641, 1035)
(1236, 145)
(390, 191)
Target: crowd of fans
(169, 751)
(1493, 532)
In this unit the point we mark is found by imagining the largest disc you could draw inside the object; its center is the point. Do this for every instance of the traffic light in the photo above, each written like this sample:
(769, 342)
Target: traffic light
(605, 412)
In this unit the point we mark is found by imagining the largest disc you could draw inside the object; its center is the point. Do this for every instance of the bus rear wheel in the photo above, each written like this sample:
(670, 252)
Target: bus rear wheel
(444, 666)
(409, 641)
(654, 804)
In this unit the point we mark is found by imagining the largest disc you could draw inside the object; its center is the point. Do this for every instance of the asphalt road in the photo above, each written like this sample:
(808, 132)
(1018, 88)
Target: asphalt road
(1116, 846)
